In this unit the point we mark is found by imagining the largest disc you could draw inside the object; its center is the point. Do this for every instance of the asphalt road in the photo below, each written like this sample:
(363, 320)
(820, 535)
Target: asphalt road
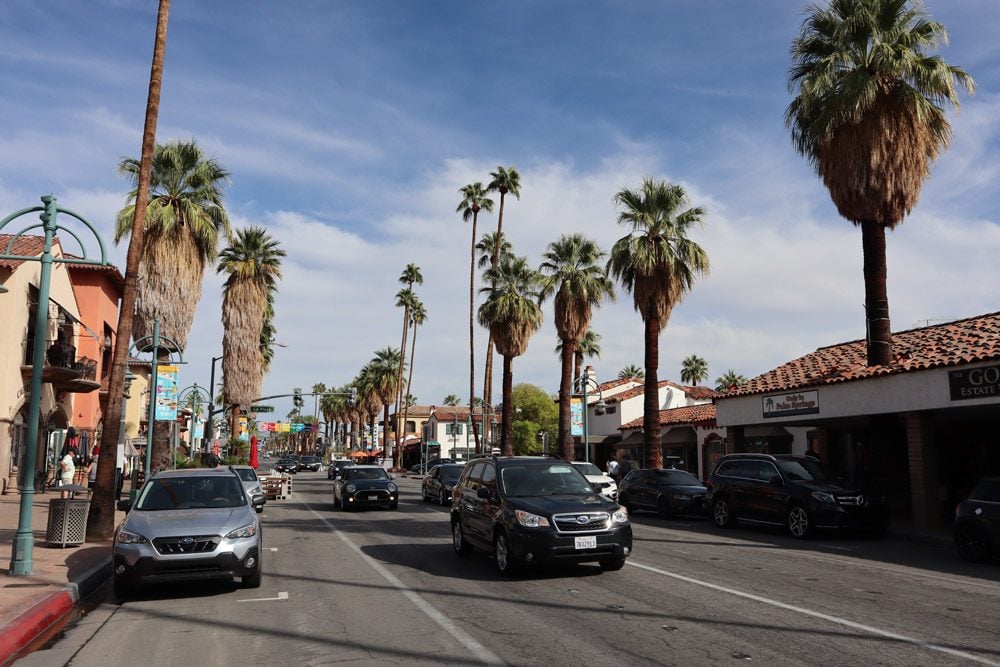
(380, 587)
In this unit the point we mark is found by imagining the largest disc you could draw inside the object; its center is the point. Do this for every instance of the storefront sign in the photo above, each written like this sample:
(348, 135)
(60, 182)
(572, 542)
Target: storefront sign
(969, 383)
(787, 405)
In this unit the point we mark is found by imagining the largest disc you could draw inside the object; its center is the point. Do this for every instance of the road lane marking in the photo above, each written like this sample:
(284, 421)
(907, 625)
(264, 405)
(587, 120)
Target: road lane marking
(816, 614)
(281, 596)
(272, 548)
(462, 637)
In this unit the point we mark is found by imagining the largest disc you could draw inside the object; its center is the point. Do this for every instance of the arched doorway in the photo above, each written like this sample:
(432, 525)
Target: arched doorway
(713, 449)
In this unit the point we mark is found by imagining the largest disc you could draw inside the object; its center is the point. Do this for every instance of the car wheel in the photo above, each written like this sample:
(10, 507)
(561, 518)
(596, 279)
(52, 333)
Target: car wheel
(971, 544)
(507, 564)
(462, 548)
(444, 499)
(663, 508)
(253, 580)
(122, 588)
(612, 565)
(722, 514)
(798, 522)
(423, 496)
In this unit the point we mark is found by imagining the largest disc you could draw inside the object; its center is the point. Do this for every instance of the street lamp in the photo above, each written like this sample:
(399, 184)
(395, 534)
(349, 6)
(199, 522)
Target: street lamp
(582, 384)
(192, 396)
(210, 423)
(154, 343)
(544, 435)
(24, 539)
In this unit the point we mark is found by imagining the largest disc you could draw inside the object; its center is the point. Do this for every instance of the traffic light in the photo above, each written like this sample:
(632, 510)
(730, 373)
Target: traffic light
(297, 398)
(352, 396)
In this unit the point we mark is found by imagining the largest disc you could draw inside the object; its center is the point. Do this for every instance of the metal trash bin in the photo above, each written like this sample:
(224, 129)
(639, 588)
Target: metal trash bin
(67, 521)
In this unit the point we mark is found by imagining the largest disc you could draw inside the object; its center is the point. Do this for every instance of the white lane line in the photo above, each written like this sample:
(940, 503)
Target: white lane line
(281, 596)
(272, 548)
(816, 614)
(462, 637)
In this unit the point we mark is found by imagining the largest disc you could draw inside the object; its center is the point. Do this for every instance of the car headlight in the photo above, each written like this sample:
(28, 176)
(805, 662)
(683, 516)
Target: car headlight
(392, 488)
(350, 488)
(246, 531)
(530, 520)
(620, 515)
(125, 537)
(824, 497)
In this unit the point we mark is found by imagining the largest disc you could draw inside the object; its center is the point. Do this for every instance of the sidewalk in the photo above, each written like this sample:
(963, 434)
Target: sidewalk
(30, 605)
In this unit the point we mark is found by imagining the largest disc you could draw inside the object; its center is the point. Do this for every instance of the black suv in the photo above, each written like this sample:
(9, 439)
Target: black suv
(977, 522)
(796, 491)
(536, 509)
(666, 492)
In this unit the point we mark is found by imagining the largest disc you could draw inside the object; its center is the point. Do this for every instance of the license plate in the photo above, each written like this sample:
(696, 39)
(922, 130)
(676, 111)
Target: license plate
(586, 542)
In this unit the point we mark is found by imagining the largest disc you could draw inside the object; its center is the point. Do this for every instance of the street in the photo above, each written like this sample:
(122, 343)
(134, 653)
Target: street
(379, 587)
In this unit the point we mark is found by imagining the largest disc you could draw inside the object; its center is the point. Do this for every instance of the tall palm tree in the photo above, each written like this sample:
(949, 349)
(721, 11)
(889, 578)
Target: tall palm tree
(658, 264)
(694, 369)
(451, 400)
(729, 380)
(405, 298)
(101, 516)
(184, 219)
(868, 116)
(570, 271)
(487, 248)
(268, 331)
(385, 372)
(631, 372)
(590, 347)
(253, 263)
(474, 200)
(417, 317)
(504, 181)
(512, 314)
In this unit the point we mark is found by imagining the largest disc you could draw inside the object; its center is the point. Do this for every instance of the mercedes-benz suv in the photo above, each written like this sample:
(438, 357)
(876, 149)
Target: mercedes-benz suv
(536, 510)
(194, 523)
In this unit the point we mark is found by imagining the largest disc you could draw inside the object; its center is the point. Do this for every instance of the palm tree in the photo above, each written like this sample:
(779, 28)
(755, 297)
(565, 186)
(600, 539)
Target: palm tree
(451, 400)
(487, 247)
(657, 263)
(505, 181)
(570, 270)
(590, 347)
(512, 314)
(405, 298)
(267, 332)
(729, 380)
(101, 516)
(253, 262)
(385, 372)
(417, 317)
(184, 218)
(868, 116)
(694, 370)
(631, 372)
(474, 200)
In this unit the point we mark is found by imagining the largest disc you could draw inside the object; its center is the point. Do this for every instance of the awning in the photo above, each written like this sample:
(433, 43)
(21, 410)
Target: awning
(634, 439)
(770, 431)
(679, 435)
(71, 317)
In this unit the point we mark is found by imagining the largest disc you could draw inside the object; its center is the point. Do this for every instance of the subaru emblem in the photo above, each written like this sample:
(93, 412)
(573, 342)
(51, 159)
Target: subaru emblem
(187, 540)
(862, 501)
(582, 519)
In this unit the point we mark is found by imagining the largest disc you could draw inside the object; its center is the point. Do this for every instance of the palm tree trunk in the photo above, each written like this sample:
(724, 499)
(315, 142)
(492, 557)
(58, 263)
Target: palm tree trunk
(507, 425)
(101, 516)
(385, 435)
(488, 382)
(399, 379)
(472, 329)
(876, 295)
(409, 379)
(577, 362)
(565, 402)
(651, 399)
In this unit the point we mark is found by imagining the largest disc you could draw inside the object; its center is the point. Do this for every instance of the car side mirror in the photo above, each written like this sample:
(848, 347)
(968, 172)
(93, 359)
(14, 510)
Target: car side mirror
(392, 477)
(124, 505)
(258, 499)
(484, 493)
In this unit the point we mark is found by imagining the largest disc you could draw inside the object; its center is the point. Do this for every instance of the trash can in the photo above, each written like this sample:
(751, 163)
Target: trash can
(67, 521)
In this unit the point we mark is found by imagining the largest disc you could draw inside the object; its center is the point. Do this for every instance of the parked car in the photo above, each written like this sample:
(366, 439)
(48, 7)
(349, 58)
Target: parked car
(977, 522)
(365, 486)
(795, 491)
(336, 465)
(440, 481)
(535, 510)
(601, 482)
(251, 484)
(666, 491)
(188, 524)
(287, 464)
(312, 463)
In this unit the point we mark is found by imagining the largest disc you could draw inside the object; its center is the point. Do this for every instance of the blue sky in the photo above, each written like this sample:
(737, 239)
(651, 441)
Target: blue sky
(350, 126)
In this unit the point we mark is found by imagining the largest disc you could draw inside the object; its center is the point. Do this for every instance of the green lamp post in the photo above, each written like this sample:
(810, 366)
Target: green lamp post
(153, 342)
(21, 562)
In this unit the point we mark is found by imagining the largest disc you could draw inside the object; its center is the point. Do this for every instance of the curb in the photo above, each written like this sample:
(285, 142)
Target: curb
(19, 634)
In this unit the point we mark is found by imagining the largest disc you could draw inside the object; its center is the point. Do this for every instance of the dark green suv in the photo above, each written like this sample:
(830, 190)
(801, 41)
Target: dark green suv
(536, 510)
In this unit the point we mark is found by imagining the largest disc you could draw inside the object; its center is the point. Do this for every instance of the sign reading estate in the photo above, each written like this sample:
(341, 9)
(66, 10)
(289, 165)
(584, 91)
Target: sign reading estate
(787, 405)
(969, 383)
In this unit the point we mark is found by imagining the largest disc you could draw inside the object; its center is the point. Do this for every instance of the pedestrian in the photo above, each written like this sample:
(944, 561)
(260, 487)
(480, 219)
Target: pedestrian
(92, 469)
(67, 469)
(613, 469)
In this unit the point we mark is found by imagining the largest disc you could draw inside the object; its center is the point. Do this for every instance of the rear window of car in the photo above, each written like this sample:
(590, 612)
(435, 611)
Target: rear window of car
(450, 473)
(988, 491)
(588, 469)
(365, 473)
(183, 493)
(677, 478)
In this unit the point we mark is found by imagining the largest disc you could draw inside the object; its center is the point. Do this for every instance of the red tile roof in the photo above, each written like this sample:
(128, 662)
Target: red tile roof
(697, 393)
(612, 384)
(953, 343)
(110, 269)
(26, 246)
(702, 414)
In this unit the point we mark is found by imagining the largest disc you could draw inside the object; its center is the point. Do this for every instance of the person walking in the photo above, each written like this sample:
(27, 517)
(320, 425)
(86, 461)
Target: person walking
(67, 469)
(92, 468)
(613, 469)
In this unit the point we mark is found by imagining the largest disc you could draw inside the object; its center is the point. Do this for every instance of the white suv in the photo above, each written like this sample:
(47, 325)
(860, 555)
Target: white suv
(601, 482)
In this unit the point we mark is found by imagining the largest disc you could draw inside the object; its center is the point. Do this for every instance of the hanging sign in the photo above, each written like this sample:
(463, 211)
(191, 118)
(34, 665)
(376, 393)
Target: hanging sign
(576, 416)
(166, 393)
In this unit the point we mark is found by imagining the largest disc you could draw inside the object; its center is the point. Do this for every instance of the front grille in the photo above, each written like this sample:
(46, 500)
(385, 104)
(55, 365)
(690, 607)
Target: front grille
(853, 501)
(201, 544)
(371, 494)
(571, 523)
(179, 567)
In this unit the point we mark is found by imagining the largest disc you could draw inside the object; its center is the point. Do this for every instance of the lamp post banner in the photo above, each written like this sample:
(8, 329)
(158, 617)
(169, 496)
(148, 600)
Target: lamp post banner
(576, 416)
(166, 393)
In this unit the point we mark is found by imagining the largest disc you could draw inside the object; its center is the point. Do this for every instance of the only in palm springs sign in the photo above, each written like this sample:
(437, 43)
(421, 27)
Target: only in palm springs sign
(789, 405)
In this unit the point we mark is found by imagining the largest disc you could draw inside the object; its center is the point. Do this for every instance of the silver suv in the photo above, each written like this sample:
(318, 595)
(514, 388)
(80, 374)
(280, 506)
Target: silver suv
(196, 523)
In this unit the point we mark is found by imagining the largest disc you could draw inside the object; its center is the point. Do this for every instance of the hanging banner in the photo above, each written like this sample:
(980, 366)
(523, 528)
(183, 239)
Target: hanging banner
(576, 416)
(166, 393)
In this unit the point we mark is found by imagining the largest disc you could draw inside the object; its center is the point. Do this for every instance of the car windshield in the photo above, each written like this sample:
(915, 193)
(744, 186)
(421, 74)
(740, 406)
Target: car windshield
(802, 470)
(185, 493)
(450, 475)
(247, 474)
(365, 473)
(286, 460)
(555, 479)
(310, 459)
(677, 478)
(588, 469)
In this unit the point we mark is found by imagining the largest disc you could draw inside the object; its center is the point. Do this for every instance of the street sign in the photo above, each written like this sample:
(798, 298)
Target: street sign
(261, 408)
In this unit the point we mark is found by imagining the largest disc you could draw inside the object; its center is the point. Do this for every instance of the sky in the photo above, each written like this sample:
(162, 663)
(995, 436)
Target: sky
(349, 128)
